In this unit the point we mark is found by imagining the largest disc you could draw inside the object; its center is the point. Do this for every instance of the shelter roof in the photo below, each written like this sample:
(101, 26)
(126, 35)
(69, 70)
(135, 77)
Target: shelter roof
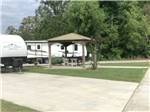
(69, 38)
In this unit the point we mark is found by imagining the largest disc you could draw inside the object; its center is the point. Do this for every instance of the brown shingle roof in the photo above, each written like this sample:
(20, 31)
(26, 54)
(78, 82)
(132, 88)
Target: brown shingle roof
(69, 37)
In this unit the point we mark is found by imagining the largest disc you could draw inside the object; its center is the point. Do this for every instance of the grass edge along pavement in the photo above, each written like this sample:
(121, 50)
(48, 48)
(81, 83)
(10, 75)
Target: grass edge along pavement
(118, 74)
(7, 106)
(140, 64)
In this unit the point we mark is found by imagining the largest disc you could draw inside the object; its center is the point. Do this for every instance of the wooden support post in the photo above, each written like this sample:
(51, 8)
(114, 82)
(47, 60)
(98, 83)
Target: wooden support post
(65, 51)
(83, 55)
(66, 60)
(50, 58)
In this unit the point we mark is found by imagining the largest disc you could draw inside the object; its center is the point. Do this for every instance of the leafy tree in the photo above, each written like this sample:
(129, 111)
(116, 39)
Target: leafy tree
(27, 28)
(130, 30)
(147, 25)
(51, 27)
(121, 29)
(147, 15)
(11, 30)
(109, 47)
(133, 30)
(51, 8)
(86, 18)
(50, 20)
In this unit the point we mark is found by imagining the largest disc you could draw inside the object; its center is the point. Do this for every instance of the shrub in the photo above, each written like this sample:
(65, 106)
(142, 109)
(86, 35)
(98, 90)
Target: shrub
(57, 60)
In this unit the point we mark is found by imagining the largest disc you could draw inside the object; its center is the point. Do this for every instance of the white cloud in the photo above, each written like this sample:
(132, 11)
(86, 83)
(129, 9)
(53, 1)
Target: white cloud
(13, 11)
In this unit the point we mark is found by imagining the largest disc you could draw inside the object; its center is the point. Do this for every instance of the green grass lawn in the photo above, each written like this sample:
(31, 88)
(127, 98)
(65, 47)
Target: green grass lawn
(144, 64)
(120, 74)
(11, 107)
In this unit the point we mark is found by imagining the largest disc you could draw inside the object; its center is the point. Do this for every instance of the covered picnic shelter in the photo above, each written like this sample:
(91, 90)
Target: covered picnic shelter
(66, 40)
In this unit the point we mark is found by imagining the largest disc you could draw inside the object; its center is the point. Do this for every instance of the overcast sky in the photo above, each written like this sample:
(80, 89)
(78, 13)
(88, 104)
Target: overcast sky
(13, 11)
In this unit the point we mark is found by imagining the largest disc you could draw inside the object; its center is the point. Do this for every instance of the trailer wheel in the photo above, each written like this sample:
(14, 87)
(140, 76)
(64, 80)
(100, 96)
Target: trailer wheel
(17, 64)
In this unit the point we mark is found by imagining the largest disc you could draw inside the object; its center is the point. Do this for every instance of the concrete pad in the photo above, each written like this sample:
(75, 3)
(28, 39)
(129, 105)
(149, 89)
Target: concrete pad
(140, 100)
(62, 93)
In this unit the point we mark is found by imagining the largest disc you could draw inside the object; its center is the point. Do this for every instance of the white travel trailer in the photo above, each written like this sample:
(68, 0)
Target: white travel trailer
(13, 51)
(39, 50)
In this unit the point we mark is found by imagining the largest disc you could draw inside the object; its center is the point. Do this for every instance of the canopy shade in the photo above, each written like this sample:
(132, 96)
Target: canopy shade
(69, 38)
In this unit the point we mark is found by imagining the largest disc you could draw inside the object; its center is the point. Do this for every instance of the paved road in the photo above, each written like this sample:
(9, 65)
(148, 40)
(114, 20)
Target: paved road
(62, 93)
(140, 100)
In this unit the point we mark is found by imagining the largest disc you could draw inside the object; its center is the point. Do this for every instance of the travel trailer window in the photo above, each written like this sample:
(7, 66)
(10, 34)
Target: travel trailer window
(75, 47)
(38, 47)
(62, 47)
(29, 47)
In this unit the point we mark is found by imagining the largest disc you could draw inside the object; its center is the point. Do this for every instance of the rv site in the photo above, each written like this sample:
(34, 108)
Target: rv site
(74, 56)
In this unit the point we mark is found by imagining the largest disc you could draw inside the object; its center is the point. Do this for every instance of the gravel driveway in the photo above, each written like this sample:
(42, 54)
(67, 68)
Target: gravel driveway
(62, 93)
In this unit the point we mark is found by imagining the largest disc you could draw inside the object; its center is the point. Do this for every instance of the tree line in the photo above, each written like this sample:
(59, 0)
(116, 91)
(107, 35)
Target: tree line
(121, 28)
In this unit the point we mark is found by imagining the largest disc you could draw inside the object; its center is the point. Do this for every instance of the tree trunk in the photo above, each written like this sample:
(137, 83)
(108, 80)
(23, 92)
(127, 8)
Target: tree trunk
(94, 57)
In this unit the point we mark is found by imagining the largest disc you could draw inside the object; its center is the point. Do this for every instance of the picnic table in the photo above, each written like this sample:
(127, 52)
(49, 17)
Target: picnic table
(71, 61)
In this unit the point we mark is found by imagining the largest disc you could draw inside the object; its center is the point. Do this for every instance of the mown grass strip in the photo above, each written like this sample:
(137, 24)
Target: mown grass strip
(11, 107)
(119, 74)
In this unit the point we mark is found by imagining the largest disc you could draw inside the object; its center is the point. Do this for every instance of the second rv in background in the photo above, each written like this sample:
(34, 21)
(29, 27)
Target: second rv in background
(38, 50)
